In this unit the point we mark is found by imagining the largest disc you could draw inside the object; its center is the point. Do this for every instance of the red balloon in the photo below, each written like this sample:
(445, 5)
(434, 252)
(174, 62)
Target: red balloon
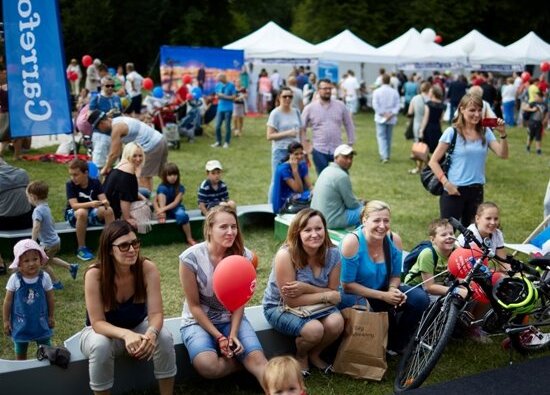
(477, 293)
(438, 39)
(86, 60)
(234, 281)
(187, 79)
(545, 66)
(525, 76)
(72, 76)
(254, 260)
(189, 97)
(461, 261)
(148, 83)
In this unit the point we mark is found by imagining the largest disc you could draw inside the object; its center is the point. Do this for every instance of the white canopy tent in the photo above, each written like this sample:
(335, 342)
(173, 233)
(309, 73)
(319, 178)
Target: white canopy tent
(474, 48)
(273, 42)
(346, 47)
(411, 48)
(530, 49)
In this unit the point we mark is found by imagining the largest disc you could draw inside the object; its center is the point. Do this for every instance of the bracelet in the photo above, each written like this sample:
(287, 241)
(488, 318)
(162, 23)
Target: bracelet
(154, 330)
(220, 338)
(503, 137)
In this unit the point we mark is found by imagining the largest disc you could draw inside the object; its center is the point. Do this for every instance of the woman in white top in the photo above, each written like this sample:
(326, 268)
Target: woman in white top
(509, 101)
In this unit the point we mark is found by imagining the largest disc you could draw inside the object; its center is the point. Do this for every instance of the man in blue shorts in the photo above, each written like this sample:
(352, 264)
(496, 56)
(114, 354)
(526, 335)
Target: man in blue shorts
(86, 205)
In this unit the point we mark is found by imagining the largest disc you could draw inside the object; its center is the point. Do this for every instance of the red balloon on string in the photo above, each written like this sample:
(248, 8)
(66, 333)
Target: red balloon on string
(438, 39)
(86, 60)
(189, 97)
(72, 76)
(545, 66)
(148, 83)
(525, 76)
(461, 261)
(187, 79)
(234, 281)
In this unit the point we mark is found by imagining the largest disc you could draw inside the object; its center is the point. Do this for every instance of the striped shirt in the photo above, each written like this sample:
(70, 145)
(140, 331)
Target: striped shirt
(212, 197)
(326, 122)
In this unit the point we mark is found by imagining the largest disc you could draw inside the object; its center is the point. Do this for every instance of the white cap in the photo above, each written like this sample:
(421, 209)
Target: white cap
(343, 149)
(213, 164)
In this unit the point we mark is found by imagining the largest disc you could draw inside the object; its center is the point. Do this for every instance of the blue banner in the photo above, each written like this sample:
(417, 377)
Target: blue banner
(328, 70)
(37, 85)
(177, 62)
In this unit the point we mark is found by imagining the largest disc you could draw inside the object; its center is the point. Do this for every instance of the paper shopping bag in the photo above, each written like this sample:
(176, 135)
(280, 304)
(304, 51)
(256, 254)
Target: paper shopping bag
(362, 353)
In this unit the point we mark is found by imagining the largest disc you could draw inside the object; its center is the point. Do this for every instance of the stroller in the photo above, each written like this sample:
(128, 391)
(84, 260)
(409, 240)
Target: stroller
(190, 125)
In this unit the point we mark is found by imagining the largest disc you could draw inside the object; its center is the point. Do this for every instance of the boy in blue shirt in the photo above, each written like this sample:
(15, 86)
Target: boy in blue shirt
(213, 191)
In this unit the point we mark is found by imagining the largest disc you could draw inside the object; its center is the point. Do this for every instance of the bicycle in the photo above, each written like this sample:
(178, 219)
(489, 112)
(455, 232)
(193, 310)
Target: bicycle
(516, 318)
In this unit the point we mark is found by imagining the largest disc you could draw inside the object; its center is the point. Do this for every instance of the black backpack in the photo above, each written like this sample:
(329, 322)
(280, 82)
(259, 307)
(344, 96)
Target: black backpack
(412, 257)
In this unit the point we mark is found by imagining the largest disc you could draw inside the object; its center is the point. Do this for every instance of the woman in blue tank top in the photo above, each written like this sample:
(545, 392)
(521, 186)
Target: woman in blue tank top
(124, 311)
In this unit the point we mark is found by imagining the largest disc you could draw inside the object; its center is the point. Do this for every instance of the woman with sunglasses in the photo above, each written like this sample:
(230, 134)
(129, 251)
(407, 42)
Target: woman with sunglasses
(218, 341)
(283, 127)
(124, 313)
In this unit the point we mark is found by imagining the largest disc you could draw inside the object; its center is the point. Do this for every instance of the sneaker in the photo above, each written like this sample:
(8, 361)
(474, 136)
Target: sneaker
(83, 253)
(413, 171)
(74, 270)
(225, 145)
(539, 152)
(215, 145)
(58, 286)
(384, 161)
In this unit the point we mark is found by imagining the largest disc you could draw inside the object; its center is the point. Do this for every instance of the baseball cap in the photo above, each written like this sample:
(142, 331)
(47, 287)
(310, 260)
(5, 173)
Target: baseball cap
(95, 117)
(26, 245)
(213, 164)
(344, 149)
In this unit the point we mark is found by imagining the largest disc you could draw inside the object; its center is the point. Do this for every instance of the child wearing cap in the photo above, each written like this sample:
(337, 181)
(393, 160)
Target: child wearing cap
(43, 229)
(213, 191)
(28, 310)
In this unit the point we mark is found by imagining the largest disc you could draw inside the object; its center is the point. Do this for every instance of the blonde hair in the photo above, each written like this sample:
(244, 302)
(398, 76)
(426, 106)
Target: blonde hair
(281, 371)
(130, 149)
(374, 206)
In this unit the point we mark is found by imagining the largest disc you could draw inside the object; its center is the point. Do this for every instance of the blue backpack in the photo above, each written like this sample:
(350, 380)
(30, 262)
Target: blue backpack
(412, 257)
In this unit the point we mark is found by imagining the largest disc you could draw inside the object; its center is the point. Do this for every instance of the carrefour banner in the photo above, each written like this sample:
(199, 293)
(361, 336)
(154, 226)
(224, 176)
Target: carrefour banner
(37, 86)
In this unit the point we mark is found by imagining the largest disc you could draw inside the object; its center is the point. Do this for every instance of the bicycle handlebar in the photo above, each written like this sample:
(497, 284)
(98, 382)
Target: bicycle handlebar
(469, 236)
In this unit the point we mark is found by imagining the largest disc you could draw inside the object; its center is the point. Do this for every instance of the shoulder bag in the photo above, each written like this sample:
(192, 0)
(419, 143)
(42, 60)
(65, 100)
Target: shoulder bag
(430, 182)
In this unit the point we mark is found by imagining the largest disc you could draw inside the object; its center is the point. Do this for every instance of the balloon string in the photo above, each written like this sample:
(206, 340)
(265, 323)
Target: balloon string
(425, 281)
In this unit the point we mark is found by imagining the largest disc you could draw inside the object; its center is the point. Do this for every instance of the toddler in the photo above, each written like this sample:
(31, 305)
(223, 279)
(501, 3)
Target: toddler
(29, 294)
(43, 229)
(282, 376)
(213, 191)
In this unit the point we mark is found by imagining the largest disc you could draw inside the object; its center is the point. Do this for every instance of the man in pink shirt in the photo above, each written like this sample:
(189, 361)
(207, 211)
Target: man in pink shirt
(326, 118)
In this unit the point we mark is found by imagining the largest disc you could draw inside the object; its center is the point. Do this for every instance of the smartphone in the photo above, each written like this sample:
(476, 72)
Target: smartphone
(489, 122)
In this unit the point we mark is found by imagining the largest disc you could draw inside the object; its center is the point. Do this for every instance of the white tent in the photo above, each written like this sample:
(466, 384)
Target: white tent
(273, 42)
(346, 47)
(411, 48)
(530, 49)
(479, 49)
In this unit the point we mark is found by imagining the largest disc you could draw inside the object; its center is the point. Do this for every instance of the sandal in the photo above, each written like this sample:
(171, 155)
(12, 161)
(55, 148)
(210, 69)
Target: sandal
(306, 373)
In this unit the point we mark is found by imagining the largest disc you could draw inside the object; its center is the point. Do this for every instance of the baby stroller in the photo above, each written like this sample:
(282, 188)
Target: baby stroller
(190, 125)
(166, 119)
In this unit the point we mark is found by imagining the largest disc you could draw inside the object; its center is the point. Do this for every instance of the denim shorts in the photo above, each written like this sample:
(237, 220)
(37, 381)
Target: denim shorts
(288, 323)
(197, 340)
(93, 219)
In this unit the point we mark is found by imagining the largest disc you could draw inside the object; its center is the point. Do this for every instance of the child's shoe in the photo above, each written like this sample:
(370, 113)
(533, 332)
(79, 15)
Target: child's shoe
(84, 254)
(539, 152)
(74, 270)
(58, 286)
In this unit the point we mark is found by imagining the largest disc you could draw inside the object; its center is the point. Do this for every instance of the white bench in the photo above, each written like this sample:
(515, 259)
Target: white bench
(25, 377)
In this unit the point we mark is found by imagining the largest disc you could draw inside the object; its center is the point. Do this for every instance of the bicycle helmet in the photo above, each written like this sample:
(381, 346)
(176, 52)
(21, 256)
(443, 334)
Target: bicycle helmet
(516, 293)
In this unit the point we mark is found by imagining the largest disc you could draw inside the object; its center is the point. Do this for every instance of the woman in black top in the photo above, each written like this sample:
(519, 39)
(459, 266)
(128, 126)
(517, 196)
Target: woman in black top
(430, 129)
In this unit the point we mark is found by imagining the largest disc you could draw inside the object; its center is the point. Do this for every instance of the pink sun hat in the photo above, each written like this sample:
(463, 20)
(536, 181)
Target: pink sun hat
(26, 245)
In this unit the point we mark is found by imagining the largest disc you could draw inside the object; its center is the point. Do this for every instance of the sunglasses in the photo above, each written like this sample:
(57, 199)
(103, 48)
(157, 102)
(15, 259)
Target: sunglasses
(125, 247)
(109, 86)
(287, 96)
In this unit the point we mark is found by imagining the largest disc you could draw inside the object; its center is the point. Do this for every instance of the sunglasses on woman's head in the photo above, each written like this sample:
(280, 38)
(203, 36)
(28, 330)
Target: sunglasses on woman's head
(125, 247)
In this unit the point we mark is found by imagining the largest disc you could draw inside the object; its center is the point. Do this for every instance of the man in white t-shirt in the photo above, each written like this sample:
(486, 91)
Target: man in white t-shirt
(351, 90)
(276, 82)
(133, 84)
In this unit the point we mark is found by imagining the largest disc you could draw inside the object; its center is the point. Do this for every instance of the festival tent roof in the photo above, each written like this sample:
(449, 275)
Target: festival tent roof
(273, 42)
(346, 47)
(530, 49)
(410, 47)
(484, 50)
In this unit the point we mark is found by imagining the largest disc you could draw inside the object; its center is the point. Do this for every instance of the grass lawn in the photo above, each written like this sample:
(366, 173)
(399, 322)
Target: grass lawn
(517, 185)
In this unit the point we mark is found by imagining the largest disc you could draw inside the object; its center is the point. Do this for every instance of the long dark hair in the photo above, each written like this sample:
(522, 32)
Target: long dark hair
(169, 169)
(106, 265)
(298, 255)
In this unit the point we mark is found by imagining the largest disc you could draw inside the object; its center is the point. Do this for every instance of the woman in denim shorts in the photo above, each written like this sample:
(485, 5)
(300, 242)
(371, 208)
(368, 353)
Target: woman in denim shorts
(218, 341)
(306, 271)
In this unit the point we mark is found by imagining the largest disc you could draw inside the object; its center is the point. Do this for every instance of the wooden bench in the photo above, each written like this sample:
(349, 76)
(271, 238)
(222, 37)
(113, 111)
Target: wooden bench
(25, 377)
(161, 234)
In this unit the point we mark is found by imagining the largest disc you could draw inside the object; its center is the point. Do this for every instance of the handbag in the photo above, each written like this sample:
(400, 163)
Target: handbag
(419, 151)
(430, 182)
(296, 203)
(141, 212)
(59, 356)
(362, 353)
(308, 310)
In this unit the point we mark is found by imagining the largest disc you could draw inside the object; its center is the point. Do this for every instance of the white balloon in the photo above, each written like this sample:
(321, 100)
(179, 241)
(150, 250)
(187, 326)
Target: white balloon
(428, 35)
(468, 47)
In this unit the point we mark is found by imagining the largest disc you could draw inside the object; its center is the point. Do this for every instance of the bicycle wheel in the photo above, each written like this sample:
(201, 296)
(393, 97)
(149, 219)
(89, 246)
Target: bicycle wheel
(426, 347)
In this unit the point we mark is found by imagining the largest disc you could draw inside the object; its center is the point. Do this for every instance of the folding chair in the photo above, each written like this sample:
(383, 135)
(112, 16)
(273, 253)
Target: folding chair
(537, 242)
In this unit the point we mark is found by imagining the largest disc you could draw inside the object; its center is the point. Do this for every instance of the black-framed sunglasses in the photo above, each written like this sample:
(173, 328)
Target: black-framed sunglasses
(287, 96)
(125, 247)
(109, 86)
